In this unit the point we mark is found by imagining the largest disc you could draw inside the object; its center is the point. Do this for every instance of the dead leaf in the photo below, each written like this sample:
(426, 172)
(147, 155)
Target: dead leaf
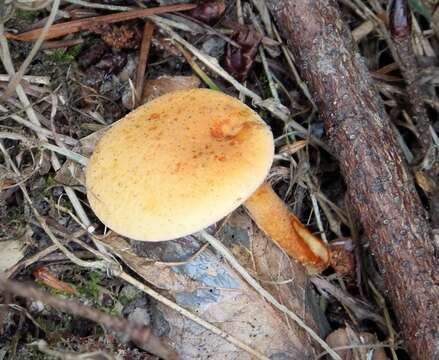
(12, 253)
(425, 182)
(347, 337)
(285, 279)
(209, 12)
(238, 61)
(165, 84)
(291, 149)
(207, 286)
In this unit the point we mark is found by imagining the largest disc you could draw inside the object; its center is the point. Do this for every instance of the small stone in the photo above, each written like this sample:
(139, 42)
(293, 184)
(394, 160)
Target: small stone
(140, 317)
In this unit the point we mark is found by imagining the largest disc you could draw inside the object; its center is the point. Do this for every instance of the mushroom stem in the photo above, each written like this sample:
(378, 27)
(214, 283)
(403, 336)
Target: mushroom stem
(275, 219)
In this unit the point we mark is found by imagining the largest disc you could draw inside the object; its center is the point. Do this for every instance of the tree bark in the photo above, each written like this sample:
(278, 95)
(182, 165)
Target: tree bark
(379, 185)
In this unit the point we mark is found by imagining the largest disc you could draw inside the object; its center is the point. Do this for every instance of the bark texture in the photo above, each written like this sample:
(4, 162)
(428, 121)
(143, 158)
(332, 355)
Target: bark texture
(379, 185)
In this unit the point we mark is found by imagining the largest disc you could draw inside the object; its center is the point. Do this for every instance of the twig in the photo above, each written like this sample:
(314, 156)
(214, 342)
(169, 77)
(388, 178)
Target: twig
(380, 189)
(142, 335)
(356, 346)
(223, 251)
(83, 24)
(47, 45)
(148, 30)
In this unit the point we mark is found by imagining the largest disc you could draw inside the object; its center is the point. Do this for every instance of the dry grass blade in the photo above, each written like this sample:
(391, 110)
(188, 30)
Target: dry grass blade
(83, 24)
(19, 74)
(40, 80)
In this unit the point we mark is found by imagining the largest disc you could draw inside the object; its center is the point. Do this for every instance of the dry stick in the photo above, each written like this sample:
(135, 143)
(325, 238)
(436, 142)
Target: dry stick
(85, 24)
(218, 246)
(143, 58)
(401, 31)
(61, 43)
(380, 187)
(141, 335)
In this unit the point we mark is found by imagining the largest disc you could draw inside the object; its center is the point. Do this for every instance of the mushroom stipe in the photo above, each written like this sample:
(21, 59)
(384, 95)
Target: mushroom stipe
(185, 160)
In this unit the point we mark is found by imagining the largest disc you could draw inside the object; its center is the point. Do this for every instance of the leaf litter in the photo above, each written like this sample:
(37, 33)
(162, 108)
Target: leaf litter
(192, 276)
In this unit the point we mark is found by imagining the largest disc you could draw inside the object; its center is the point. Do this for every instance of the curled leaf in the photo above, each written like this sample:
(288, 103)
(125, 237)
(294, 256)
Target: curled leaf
(238, 61)
(209, 12)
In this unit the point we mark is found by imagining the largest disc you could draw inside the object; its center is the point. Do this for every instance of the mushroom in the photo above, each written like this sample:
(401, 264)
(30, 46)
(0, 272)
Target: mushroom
(185, 160)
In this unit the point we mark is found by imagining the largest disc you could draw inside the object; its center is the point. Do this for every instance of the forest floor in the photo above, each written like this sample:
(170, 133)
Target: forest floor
(71, 87)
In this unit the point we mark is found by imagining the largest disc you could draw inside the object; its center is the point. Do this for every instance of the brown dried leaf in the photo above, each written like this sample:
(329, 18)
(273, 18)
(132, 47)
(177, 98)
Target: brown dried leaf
(426, 184)
(165, 84)
(347, 337)
(238, 61)
(207, 286)
(291, 149)
(209, 12)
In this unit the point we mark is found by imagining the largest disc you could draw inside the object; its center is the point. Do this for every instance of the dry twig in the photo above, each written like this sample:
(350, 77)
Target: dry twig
(141, 335)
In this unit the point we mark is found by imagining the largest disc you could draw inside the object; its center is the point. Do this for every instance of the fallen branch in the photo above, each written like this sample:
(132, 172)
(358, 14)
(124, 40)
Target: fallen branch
(140, 335)
(71, 27)
(379, 185)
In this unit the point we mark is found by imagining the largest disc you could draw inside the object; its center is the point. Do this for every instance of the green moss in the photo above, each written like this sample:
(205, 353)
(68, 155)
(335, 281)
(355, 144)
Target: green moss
(61, 56)
(26, 16)
(91, 289)
(265, 86)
